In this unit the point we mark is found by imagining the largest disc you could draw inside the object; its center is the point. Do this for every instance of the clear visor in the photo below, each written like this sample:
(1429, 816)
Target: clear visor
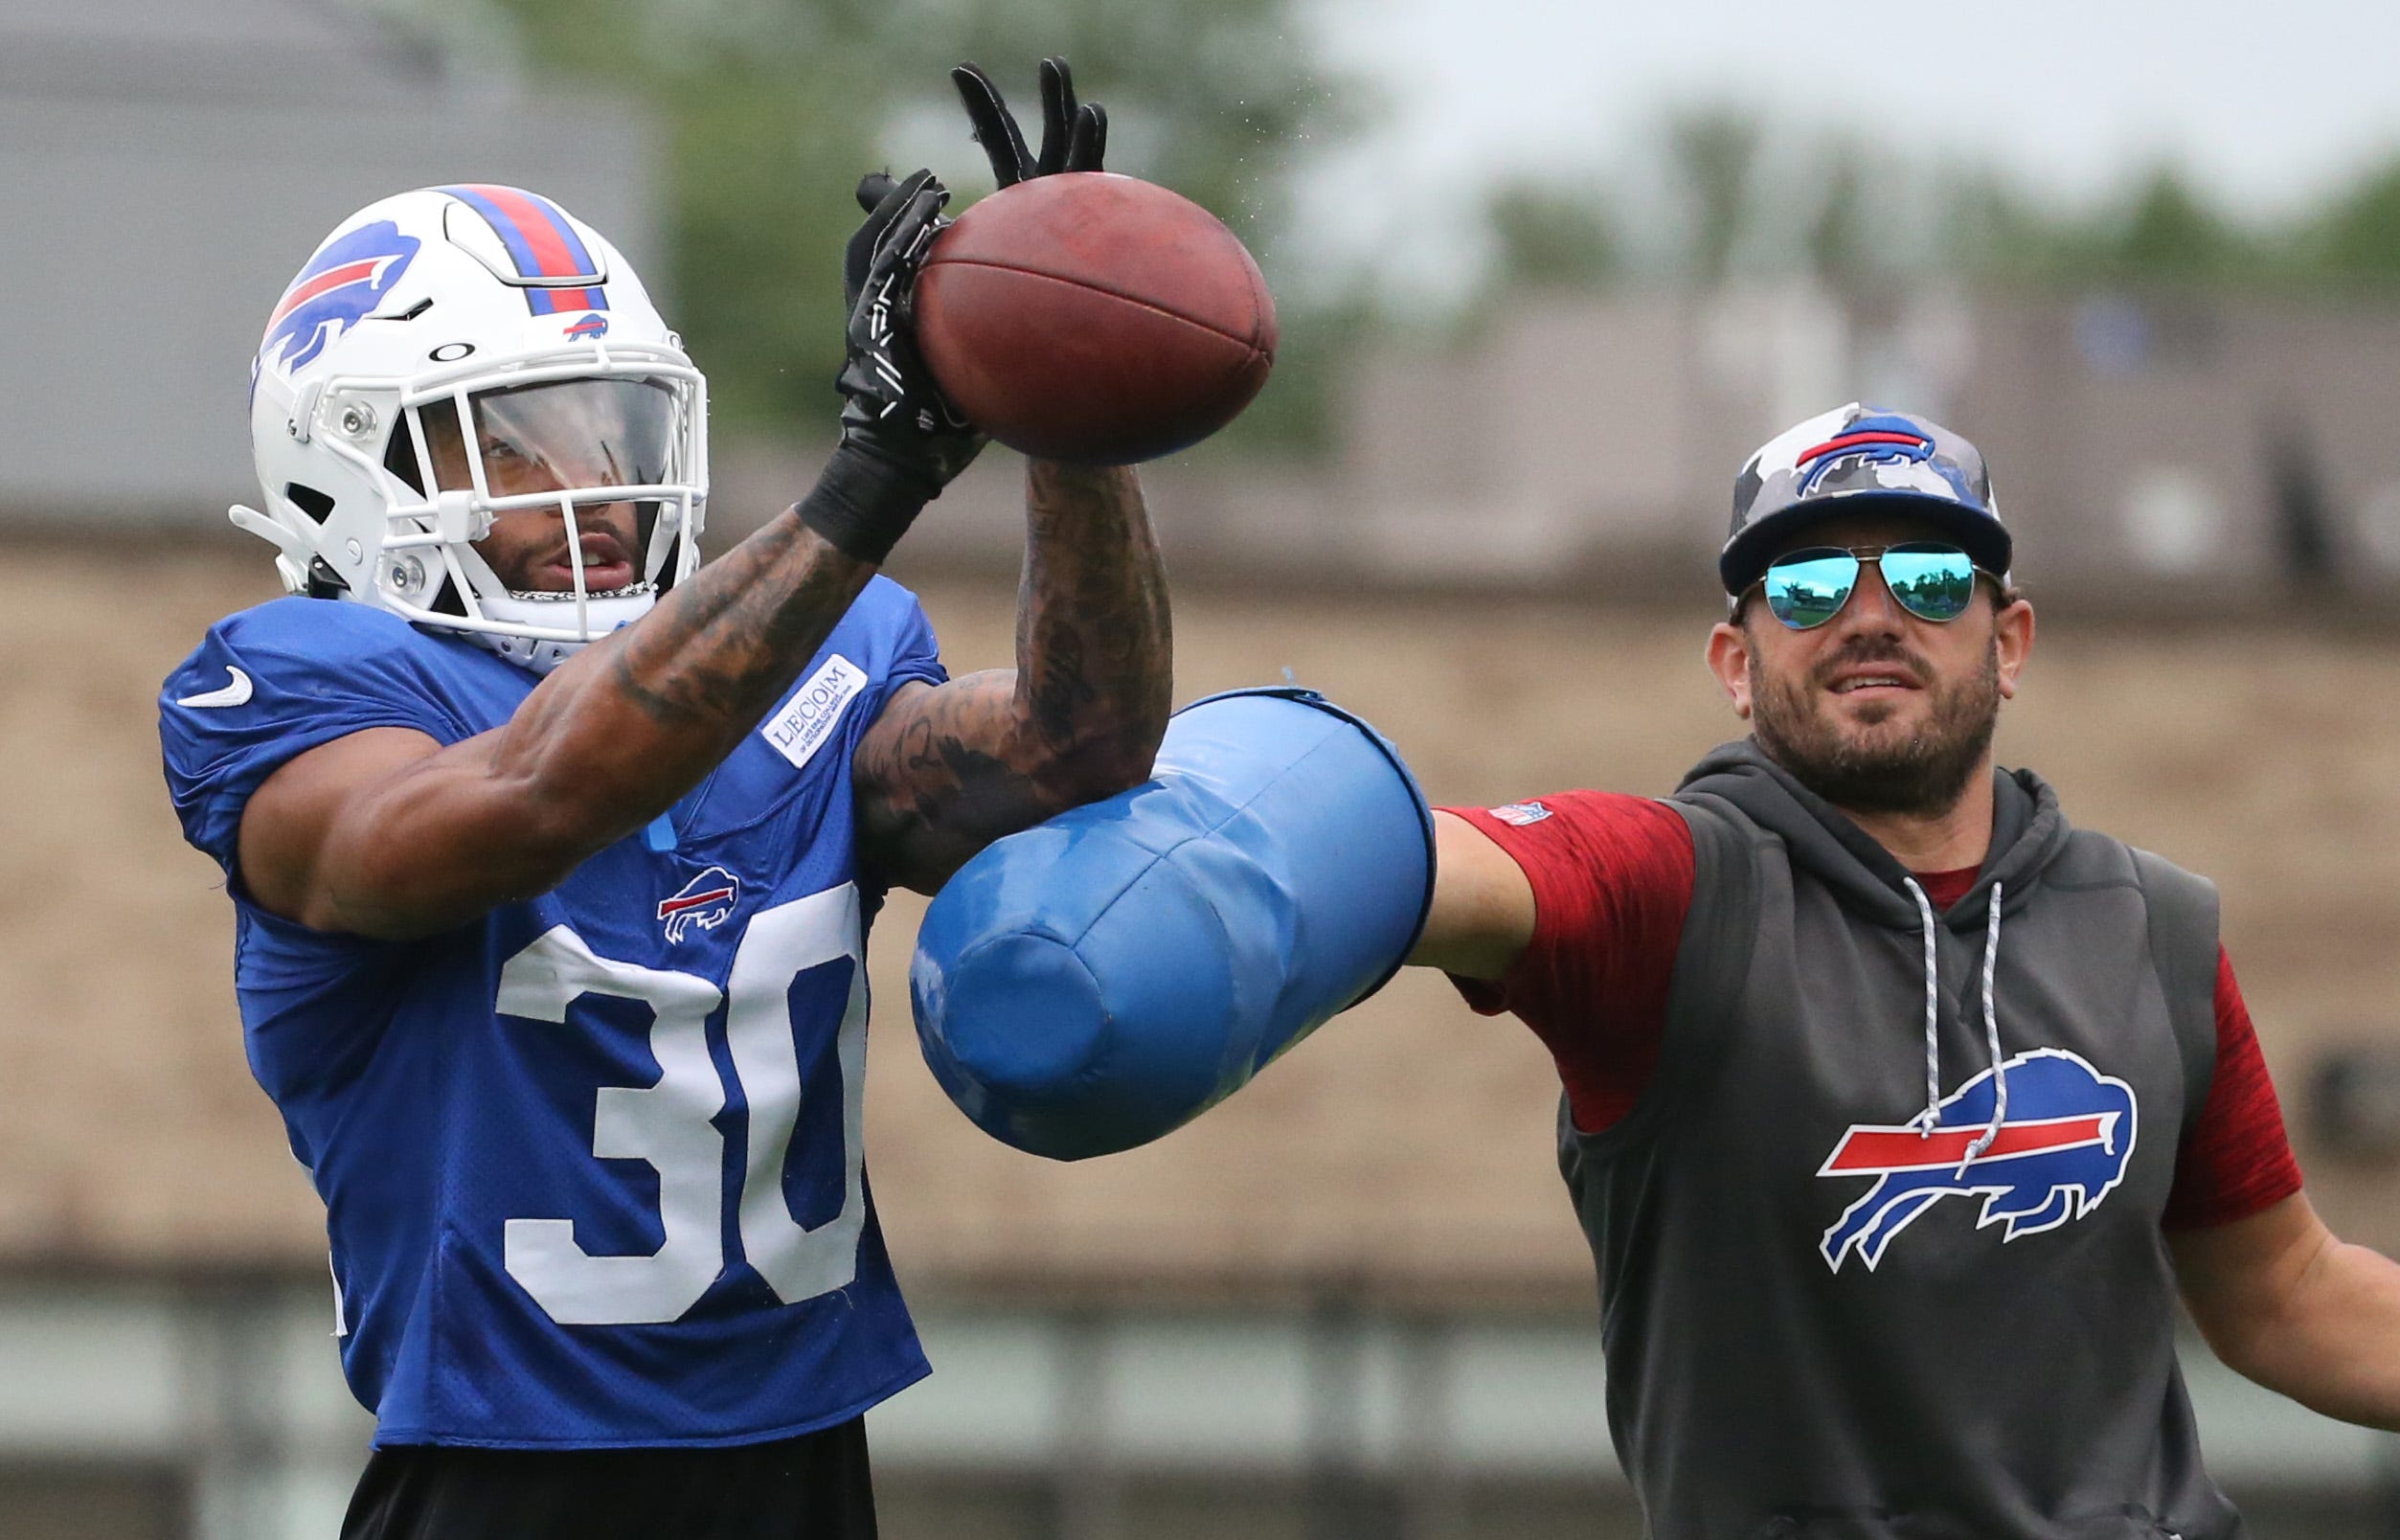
(553, 509)
(533, 441)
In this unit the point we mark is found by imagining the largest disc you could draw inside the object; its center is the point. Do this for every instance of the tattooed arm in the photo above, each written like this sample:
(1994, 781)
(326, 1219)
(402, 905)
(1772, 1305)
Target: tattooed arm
(387, 832)
(947, 769)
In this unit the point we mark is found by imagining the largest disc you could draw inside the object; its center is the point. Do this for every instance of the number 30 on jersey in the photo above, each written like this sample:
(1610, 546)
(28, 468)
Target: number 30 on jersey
(668, 1123)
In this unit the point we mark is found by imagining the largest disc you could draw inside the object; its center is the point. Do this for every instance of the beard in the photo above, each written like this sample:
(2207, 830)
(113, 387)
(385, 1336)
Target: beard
(1860, 769)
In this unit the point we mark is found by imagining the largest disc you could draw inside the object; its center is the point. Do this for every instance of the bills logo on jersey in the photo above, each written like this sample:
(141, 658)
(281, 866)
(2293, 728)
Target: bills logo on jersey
(590, 329)
(341, 286)
(707, 901)
(1869, 440)
(2064, 1146)
(1517, 815)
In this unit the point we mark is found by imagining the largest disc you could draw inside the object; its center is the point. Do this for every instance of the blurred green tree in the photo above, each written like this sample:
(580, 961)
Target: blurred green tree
(1988, 229)
(2357, 240)
(2169, 234)
(772, 109)
(2162, 233)
(1711, 154)
(1551, 234)
(1841, 249)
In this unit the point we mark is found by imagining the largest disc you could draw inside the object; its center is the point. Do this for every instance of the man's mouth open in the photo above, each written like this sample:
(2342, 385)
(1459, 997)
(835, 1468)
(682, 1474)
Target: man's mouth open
(606, 566)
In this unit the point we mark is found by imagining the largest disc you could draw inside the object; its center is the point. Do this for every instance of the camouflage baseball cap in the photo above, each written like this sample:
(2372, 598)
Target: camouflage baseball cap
(1855, 456)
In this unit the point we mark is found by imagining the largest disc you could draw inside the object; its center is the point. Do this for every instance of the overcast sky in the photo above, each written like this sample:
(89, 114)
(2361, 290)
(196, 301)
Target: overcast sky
(2269, 103)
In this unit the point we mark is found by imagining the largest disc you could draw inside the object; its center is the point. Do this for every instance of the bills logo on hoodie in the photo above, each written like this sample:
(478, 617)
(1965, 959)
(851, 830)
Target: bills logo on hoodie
(2062, 1149)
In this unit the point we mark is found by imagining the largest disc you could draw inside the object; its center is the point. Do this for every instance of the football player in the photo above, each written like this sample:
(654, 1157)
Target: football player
(552, 850)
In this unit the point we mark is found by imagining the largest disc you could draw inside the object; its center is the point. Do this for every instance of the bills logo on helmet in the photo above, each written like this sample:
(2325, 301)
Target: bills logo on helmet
(590, 328)
(341, 286)
(2064, 1146)
(707, 900)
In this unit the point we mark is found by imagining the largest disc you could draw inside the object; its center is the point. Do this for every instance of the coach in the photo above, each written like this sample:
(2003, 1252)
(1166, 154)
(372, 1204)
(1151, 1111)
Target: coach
(1899, 1110)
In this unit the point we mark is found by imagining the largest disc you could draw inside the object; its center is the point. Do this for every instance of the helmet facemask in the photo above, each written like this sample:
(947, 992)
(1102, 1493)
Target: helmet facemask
(561, 455)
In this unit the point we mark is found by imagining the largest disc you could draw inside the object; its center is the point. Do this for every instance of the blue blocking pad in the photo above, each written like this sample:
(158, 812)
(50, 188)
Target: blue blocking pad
(1103, 979)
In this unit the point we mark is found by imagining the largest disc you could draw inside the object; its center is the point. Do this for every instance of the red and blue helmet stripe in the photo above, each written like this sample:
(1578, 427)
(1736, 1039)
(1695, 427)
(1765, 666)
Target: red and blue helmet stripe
(543, 244)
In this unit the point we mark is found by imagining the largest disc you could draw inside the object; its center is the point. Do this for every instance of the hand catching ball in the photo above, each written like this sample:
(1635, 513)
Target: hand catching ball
(1081, 316)
(1094, 319)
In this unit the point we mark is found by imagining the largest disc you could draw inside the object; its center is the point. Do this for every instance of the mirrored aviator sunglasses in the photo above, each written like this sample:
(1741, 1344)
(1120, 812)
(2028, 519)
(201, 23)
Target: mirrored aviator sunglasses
(1807, 588)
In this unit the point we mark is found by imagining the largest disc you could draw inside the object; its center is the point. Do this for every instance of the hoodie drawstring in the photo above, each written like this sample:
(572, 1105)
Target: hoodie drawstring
(1926, 1120)
(1932, 1016)
(1991, 1038)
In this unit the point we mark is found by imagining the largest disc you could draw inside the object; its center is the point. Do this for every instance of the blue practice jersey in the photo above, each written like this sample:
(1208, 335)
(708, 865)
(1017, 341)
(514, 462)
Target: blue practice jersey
(590, 1163)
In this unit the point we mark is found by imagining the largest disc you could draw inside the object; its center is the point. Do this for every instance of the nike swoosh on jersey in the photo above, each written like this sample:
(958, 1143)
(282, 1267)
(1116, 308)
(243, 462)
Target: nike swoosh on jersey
(236, 694)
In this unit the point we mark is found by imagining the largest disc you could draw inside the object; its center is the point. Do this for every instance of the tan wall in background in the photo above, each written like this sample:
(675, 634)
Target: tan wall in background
(1407, 1146)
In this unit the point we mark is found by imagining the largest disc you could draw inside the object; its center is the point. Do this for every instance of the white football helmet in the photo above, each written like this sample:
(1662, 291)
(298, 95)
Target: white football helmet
(452, 354)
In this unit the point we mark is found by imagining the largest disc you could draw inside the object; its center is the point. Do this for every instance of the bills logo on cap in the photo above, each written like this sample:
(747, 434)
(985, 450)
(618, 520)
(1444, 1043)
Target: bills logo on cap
(590, 328)
(2064, 1146)
(707, 900)
(1870, 439)
(341, 286)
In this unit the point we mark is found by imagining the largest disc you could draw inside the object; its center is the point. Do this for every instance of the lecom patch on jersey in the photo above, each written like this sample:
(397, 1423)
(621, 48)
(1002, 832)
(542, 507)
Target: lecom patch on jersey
(807, 720)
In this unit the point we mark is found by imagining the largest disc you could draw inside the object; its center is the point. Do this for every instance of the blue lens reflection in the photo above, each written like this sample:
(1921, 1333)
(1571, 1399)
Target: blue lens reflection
(1806, 589)
(1930, 582)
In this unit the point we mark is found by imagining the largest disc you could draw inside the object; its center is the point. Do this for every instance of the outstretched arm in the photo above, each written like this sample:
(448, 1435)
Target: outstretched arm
(1482, 911)
(2288, 1305)
(386, 832)
(947, 769)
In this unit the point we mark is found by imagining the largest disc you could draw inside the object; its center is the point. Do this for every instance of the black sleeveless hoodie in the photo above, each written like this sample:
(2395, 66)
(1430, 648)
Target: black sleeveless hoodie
(1840, 1301)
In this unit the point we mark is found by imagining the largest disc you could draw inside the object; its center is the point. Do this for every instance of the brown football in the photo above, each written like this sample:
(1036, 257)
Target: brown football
(1094, 319)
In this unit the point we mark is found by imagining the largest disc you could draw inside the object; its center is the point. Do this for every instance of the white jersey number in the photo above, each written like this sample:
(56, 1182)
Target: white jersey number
(668, 1125)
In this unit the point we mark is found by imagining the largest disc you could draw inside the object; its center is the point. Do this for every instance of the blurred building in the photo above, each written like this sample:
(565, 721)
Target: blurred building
(171, 165)
(2152, 451)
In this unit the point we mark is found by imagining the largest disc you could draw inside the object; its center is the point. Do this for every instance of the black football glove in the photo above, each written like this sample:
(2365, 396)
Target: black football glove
(895, 410)
(902, 442)
(1073, 138)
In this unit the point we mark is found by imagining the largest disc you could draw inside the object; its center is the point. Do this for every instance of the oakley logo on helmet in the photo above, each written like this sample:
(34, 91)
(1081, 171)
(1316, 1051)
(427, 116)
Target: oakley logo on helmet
(706, 901)
(2069, 1134)
(341, 286)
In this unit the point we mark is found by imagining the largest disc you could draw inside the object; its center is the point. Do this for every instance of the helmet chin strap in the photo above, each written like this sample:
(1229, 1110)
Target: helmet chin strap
(603, 613)
(595, 614)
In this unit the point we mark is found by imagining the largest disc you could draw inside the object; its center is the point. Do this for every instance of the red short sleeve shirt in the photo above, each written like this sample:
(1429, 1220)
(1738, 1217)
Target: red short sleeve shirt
(1613, 877)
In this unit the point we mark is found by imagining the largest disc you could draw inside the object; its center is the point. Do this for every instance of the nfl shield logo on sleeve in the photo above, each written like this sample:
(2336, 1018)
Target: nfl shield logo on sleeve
(1519, 814)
